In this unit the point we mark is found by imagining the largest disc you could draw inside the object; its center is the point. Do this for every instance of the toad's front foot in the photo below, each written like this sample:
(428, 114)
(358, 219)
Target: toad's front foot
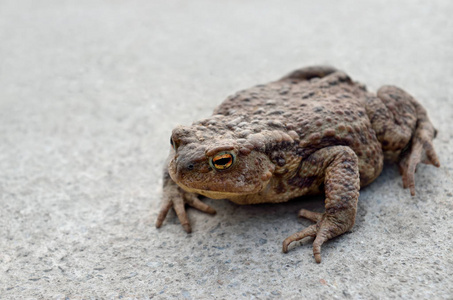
(174, 196)
(327, 227)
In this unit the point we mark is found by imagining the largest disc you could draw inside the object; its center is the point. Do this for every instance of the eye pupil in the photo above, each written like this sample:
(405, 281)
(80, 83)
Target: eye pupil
(222, 161)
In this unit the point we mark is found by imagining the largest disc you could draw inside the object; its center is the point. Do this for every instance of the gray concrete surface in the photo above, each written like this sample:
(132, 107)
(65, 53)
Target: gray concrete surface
(89, 93)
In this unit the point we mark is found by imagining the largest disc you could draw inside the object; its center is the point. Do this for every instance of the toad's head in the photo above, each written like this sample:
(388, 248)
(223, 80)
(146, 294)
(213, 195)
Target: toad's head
(215, 163)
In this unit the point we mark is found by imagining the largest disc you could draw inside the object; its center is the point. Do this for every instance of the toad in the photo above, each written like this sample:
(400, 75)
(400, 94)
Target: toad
(313, 131)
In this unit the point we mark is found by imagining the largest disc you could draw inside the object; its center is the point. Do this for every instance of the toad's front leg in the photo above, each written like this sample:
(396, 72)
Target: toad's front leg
(174, 196)
(339, 165)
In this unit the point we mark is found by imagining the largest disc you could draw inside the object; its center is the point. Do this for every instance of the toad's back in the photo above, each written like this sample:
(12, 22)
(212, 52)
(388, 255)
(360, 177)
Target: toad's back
(323, 112)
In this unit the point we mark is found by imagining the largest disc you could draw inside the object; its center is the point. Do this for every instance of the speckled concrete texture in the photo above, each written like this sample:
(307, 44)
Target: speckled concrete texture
(89, 93)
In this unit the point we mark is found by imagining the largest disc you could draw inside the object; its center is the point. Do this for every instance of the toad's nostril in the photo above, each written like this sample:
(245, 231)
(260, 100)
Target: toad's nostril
(190, 167)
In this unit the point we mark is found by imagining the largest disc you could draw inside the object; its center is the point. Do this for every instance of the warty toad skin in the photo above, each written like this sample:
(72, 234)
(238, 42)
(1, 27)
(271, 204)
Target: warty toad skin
(313, 131)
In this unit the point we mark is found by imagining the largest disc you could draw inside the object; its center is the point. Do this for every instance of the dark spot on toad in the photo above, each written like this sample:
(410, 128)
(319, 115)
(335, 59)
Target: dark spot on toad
(302, 182)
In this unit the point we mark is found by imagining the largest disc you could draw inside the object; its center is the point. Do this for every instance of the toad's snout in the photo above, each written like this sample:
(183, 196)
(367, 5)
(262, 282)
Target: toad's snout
(182, 166)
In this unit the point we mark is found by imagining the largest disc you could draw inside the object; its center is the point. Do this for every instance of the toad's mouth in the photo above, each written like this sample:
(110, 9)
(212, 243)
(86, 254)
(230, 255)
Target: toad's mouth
(216, 194)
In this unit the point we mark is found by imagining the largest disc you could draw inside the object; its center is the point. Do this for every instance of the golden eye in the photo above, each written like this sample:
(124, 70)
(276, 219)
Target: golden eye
(222, 161)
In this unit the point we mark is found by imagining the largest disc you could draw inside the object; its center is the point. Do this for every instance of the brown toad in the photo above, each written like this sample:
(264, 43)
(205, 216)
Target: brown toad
(313, 131)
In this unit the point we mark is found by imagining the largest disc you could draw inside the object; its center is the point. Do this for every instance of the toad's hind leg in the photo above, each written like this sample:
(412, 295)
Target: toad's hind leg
(308, 73)
(338, 166)
(403, 128)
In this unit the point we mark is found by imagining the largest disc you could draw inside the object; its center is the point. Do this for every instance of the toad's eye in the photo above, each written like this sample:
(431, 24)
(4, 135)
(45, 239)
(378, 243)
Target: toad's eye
(172, 143)
(222, 161)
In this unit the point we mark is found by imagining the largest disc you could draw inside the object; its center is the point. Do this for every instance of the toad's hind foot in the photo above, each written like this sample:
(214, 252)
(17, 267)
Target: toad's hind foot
(420, 150)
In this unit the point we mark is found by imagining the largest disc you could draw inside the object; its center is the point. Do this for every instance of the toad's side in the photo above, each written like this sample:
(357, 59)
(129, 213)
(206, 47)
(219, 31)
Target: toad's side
(314, 131)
